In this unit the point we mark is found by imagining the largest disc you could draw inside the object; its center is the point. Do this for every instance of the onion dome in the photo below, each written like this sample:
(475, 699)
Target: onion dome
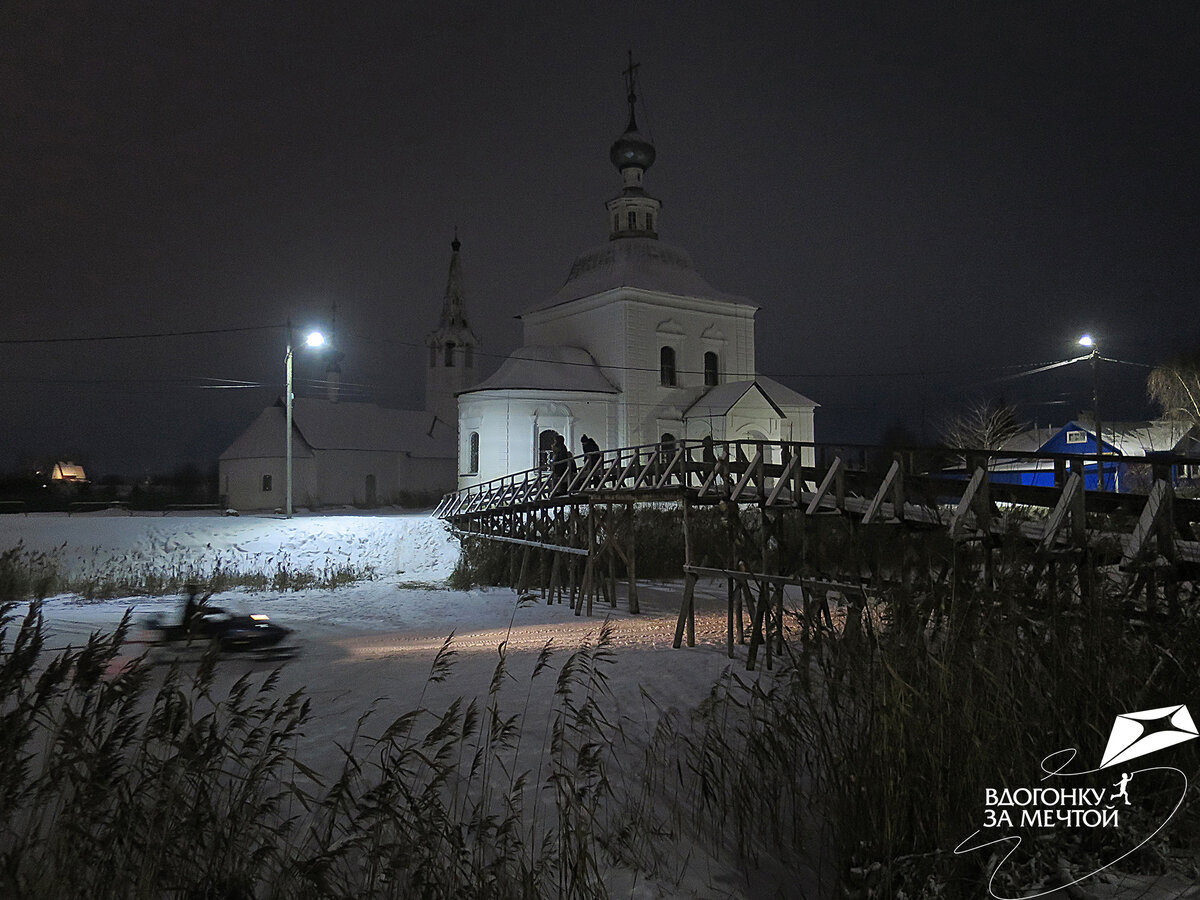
(631, 150)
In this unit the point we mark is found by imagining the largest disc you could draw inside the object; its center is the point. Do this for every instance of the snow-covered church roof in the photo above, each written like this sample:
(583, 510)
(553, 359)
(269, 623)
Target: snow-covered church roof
(548, 369)
(721, 399)
(326, 425)
(643, 263)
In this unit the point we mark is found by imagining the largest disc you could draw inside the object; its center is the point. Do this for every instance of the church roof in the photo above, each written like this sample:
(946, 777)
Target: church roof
(722, 398)
(325, 425)
(548, 369)
(643, 263)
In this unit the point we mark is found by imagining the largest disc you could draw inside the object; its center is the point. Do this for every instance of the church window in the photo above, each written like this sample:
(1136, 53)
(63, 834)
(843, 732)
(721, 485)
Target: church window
(449, 361)
(632, 220)
(473, 454)
(266, 483)
(710, 369)
(616, 222)
(469, 356)
(649, 221)
(666, 366)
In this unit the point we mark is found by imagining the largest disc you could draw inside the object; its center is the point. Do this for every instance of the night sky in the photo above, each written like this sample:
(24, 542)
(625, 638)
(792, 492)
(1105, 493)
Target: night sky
(922, 198)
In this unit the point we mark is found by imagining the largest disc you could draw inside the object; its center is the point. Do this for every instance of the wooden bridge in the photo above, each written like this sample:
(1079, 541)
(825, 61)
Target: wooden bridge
(575, 521)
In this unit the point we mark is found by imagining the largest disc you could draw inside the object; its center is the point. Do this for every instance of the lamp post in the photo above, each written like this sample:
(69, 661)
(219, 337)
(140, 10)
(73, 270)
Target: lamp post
(313, 339)
(1088, 341)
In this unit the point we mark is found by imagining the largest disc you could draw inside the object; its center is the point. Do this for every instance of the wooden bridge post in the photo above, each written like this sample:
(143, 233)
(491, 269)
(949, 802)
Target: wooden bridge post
(524, 570)
(589, 568)
(635, 606)
(729, 623)
(687, 606)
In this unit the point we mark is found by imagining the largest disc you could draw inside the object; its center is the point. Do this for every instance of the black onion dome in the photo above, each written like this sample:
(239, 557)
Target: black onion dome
(631, 149)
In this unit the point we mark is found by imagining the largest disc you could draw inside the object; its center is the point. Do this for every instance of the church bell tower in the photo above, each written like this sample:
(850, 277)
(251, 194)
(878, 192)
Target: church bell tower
(452, 347)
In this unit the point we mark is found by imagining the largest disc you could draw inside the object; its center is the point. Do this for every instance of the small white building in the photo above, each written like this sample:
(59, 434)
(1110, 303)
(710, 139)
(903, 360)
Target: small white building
(635, 348)
(359, 454)
(344, 454)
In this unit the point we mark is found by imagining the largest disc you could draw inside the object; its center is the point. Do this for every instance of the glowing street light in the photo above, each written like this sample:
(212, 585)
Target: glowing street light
(314, 339)
(1088, 341)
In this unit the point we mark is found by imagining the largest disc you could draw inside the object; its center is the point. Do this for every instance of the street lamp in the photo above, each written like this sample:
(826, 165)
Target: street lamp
(312, 339)
(1088, 341)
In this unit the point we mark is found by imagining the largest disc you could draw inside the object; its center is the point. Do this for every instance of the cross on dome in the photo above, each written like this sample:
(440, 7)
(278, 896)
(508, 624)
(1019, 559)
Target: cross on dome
(634, 213)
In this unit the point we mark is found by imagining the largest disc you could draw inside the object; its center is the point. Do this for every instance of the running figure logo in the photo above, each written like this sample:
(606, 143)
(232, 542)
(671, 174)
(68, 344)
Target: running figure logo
(1123, 785)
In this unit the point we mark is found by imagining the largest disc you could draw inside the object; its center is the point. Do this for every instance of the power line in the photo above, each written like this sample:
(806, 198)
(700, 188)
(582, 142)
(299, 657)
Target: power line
(139, 336)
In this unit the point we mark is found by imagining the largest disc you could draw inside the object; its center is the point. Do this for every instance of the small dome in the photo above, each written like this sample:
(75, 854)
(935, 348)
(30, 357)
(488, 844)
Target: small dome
(631, 149)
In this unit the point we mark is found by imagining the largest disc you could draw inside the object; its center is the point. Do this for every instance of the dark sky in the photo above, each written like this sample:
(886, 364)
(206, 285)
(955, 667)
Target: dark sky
(921, 197)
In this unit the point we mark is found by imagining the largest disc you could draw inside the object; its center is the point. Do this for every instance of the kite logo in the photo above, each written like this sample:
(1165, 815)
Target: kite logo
(1093, 803)
(1138, 733)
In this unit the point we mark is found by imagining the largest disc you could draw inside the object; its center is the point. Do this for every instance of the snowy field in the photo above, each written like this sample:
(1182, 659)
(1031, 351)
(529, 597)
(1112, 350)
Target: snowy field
(370, 646)
(413, 546)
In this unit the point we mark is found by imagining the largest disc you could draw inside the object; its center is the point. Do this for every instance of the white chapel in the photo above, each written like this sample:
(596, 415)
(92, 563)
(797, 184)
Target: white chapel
(635, 348)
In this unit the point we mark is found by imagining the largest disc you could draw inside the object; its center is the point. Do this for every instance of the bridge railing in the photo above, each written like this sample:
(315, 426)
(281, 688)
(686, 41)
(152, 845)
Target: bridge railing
(761, 469)
(704, 466)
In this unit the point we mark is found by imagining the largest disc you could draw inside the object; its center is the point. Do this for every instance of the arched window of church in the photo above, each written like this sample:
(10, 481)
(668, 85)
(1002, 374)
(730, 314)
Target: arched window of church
(469, 356)
(649, 221)
(666, 366)
(711, 372)
(449, 361)
(632, 220)
(473, 455)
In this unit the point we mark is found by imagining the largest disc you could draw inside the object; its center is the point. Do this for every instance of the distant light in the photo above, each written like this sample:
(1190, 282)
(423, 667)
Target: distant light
(259, 617)
(315, 339)
(1086, 341)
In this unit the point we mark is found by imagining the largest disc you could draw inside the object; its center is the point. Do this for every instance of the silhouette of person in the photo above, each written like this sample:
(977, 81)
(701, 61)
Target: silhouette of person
(713, 463)
(192, 607)
(590, 448)
(563, 464)
(591, 452)
(1123, 784)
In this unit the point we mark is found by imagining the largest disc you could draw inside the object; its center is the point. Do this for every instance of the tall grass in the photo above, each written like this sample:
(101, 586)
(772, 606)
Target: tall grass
(119, 781)
(871, 749)
(27, 574)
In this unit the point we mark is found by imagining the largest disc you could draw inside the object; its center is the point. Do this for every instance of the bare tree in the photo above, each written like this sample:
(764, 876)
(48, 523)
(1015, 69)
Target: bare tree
(1175, 387)
(982, 425)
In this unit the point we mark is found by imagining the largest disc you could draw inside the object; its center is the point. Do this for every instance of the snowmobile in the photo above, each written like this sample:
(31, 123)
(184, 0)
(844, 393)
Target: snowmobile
(206, 626)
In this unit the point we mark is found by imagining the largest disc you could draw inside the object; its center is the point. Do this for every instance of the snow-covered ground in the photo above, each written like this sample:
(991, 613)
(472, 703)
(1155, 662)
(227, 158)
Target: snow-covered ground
(415, 545)
(370, 645)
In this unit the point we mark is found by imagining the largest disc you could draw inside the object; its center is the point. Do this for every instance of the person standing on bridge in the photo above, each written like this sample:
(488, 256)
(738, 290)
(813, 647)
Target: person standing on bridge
(591, 453)
(563, 469)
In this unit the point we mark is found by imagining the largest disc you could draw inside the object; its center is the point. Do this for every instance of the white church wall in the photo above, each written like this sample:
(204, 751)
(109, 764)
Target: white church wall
(509, 423)
(343, 477)
(596, 324)
(242, 482)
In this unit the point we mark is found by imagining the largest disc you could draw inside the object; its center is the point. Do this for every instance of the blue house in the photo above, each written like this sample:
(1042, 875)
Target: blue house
(1133, 445)
(1072, 438)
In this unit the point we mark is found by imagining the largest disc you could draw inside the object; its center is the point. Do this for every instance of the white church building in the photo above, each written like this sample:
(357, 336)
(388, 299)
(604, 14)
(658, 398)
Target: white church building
(635, 348)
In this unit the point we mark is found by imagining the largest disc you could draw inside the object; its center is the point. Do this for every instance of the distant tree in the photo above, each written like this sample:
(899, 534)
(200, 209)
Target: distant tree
(981, 425)
(1175, 388)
